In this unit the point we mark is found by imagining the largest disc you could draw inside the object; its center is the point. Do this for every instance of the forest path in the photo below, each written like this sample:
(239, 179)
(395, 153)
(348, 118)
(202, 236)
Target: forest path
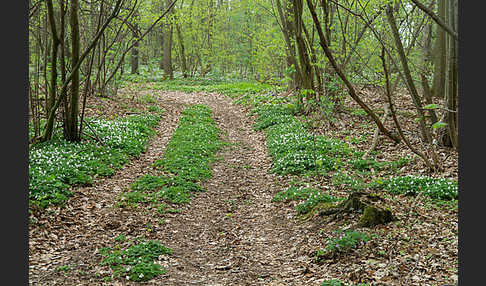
(232, 234)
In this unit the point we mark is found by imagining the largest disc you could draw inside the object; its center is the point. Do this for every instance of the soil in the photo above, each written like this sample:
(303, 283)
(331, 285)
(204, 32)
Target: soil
(233, 234)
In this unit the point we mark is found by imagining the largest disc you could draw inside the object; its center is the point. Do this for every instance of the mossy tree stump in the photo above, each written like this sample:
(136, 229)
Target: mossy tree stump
(360, 202)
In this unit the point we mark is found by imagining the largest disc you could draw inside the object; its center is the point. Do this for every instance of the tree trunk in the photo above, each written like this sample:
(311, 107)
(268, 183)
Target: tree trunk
(452, 87)
(182, 51)
(290, 50)
(72, 116)
(167, 46)
(55, 45)
(426, 57)
(351, 90)
(134, 54)
(408, 77)
(440, 56)
(306, 68)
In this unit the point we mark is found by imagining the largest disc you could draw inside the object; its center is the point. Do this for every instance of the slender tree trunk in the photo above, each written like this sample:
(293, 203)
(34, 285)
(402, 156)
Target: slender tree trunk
(440, 56)
(408, 77)
(72, 117)
(55, 45)
(182, 50)
(343, 77)
(290, 51)
(307, 72)
(426, 57)
(134, 54)
(452, 87)
(167, 46)
(63, 65)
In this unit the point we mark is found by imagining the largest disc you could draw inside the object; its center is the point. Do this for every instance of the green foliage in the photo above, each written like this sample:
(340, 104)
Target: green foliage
(359, 112)
(56, 165)
(192, 146)
(366, 164)
(336, 282)
(147, 98)
(436, 188)
(63, 268)
(129, 134)
(151, 188)
(226, 86)
(310, 197)
(353, 182)
(333, 282)
(346, 241)
(135, 263)
(187, 160)
(293, 149)
(155, 109)
(148, 183)
(438, 125)
(269, 115)
(343, 243)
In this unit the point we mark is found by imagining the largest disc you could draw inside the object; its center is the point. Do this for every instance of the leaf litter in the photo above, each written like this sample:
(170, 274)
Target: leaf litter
(233, 234)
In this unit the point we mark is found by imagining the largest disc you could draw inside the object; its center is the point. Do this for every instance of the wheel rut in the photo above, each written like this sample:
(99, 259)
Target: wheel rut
(231, 234)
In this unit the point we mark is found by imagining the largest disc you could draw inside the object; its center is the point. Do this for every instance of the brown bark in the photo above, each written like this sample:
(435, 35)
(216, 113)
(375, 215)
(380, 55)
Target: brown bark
(72, 116)
(167, 46)
(343, 77)
(50, 100)
(408, 77)
(181, 50)
(290, 48)
(134, 56)
(306, 68)
(51, 114)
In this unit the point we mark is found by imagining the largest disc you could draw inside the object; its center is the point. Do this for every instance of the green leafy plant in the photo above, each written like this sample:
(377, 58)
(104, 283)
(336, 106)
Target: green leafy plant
(293, 149)
(193, 144)
(366, 164)
(343, 243)
(186, 161)
(332, 282)
(63, 268)
(336, 282)
(249, 92)
(436, 188)
(310, 197)
(137, 262)
(352, 182)
(56, 165)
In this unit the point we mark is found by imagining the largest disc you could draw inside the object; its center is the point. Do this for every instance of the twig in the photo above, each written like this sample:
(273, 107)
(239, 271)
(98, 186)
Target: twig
(377, 132)
(96, 137)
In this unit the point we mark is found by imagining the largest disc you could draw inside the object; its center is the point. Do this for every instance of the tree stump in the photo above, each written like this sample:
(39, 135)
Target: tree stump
(365, 204)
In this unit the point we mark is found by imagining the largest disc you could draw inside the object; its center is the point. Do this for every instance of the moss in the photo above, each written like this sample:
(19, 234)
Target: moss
(373, 216)
(318, 209)
(353, 204)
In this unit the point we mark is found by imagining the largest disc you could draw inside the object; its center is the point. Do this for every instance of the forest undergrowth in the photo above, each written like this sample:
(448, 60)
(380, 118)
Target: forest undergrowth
(318, 161)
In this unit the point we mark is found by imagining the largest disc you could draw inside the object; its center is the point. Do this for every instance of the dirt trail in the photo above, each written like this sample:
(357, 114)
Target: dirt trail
(232, 234)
